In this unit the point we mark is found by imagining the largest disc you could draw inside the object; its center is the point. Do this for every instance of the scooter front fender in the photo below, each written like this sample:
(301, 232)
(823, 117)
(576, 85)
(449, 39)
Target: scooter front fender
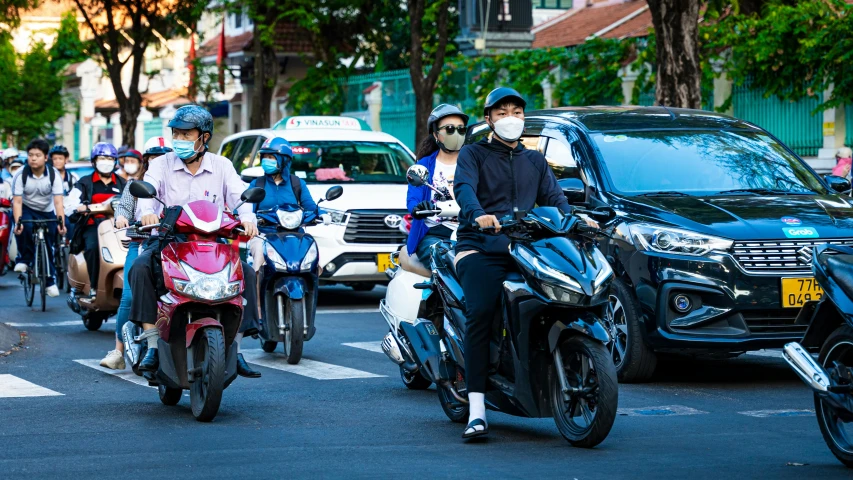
(291, 287)
(196, 325)
(587, 324)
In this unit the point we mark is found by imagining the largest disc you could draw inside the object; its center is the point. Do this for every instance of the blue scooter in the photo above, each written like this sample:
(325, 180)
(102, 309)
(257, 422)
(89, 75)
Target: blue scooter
(288, 282)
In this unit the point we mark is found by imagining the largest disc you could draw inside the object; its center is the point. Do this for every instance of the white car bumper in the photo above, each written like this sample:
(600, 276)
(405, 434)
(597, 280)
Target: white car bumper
(341, 261)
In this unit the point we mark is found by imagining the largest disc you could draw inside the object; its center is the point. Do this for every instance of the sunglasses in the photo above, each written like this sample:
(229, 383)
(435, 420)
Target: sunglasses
(451, 129)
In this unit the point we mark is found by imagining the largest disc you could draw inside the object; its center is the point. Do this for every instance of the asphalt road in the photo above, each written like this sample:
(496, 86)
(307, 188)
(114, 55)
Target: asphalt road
(350, 416)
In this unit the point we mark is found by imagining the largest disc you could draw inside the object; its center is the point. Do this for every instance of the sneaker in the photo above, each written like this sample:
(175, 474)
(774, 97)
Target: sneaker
(114, 360)
(52, 291)
(21, 267)
(93, 293)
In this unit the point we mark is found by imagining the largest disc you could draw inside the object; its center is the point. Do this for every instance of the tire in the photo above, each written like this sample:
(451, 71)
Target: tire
(169, 396)
(598, 409)
(206, 390)
(93, 320)
(295, 334)
(363, 287)
(456, 414)
(29, 287)
(838, 347)
(414, 381)
(43, 273)
(268, 347)
(61, 267)
(635, 362)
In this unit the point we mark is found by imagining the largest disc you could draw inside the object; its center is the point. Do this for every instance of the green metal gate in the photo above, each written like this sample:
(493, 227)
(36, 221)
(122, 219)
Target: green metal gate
(152, 128)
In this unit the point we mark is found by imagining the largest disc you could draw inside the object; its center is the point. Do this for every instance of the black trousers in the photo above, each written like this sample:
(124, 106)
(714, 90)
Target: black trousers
(92, 253)
(143, 287)
(482, 279)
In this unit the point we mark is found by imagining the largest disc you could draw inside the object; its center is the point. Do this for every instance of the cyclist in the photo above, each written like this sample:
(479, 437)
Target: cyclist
(37, 191)
(98, 187)
(58, 158)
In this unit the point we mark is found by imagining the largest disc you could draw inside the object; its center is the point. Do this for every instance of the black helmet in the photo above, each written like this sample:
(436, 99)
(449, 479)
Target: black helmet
(500, 94)
(442, 111)
(60, 149)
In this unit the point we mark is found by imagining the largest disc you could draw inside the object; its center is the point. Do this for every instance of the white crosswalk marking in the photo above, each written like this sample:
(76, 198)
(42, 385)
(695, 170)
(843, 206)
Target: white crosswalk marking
(66, 323)
(369, 346)
(667, 410)
(305, 367)
(14, 387)
(122, 374)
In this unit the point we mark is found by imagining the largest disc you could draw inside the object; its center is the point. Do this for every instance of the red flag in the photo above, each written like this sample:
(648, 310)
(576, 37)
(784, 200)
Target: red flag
(191, 58)
(220, 57)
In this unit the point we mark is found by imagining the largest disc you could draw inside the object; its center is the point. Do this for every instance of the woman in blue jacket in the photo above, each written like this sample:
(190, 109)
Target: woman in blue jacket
(447, 126)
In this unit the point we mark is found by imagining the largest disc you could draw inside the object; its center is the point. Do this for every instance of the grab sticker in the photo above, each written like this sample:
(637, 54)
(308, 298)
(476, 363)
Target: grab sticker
(800, 232)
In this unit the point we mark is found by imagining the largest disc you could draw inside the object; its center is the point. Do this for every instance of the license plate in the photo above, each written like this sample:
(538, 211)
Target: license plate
(797, 291)
(383, 261)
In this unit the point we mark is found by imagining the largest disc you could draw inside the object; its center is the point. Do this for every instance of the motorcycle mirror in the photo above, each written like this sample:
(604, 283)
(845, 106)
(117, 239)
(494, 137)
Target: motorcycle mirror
(417, 175)
(574, 189)
(253, 195)
(334, 192)
(141, 189)
(604, 213)
(838, 184)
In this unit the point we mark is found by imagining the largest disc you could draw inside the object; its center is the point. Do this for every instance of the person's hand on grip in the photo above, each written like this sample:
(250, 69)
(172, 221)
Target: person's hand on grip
(150, 219)
(486, 221)
(121, 222)
(250, 228)
(425, 205)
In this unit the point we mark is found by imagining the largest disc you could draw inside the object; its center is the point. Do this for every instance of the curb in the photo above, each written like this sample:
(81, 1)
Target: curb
(10, 339)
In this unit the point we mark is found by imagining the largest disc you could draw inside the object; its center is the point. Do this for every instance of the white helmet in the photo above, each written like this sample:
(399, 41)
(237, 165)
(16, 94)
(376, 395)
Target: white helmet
(157, 146)
(10, 153)
(844, 152)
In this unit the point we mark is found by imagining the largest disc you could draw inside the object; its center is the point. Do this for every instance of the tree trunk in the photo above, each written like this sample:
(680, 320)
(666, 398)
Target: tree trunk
(679, 73)
(424, 86)
(266, 77)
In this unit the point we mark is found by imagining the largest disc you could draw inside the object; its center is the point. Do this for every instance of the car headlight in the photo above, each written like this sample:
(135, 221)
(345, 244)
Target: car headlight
(310, 257)
(338, 217)
(565, 281)
(289, 220)
(275, 258)
(673, 240)
(207, 286)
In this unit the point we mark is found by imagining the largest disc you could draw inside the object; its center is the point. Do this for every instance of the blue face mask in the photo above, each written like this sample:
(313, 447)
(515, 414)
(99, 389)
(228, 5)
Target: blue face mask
(185, 149)
(270, 166)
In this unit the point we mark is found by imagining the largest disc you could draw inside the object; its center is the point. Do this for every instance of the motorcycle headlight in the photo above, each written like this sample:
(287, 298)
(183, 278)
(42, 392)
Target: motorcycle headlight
(309, 259)
(275, 258)
(338, 217)
(289, 220)
(673, 240)
(207, 286)
(560, 294)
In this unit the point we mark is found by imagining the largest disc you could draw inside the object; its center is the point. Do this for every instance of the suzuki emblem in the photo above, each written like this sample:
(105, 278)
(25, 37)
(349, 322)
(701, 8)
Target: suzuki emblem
(804, 255)
(393, 220)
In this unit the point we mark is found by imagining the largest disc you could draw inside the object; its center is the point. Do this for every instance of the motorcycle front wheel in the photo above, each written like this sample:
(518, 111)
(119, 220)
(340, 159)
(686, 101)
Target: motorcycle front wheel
(837, 433)
(295, 333)
(585, 414)
(206, 390)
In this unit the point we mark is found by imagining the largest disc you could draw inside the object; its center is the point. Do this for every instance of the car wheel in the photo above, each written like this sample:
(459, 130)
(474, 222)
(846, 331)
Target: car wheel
(634, 360)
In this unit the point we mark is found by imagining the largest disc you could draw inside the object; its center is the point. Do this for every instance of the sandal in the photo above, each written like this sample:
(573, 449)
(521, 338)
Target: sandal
(471, 430)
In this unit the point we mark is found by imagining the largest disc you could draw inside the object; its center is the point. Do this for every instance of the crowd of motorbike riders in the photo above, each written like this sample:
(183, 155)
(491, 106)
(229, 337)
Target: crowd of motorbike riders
(181, 169)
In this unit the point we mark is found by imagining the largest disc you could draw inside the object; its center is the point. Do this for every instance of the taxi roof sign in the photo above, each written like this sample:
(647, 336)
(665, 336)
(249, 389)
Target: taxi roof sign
(321, 122)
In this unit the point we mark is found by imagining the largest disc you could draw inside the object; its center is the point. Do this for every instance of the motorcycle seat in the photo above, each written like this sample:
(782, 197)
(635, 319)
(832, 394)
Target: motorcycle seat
(840, 268)
(411, 263)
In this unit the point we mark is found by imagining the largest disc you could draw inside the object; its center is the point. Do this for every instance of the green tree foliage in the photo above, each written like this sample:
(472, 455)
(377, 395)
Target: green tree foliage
(10, 12)
(68, 48)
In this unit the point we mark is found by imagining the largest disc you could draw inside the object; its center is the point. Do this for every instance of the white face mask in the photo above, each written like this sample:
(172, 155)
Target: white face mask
(104, 166)
(509, 129)
(131, 168)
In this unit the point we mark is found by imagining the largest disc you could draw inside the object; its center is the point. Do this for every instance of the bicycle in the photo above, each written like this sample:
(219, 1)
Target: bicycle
(41, 272)
(60, 261)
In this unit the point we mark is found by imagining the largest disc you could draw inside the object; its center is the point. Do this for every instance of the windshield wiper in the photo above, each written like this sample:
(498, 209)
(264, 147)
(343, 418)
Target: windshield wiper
(762, 191)
(665, 193)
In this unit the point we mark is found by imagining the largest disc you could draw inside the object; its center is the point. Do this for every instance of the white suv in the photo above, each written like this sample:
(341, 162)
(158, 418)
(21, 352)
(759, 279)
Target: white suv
(371, 166)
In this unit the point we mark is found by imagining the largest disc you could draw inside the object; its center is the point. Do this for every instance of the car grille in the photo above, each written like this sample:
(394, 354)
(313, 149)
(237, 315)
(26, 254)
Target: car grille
(780, 321)
(779, 256)
(368, 226)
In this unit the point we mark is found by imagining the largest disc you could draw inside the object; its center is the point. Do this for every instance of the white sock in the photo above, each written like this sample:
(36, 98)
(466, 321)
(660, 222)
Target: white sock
(152, 334)
(237, 339)
(476, 406)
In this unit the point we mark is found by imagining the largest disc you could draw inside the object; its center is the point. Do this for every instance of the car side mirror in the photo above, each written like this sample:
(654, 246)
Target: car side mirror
(253, 195)
(334, 192)
(142, 190)
(574, 189)
(839, 184)
(417, 175)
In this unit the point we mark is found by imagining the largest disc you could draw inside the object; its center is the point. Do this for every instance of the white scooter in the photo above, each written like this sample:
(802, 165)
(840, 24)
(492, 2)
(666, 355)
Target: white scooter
(402, 300)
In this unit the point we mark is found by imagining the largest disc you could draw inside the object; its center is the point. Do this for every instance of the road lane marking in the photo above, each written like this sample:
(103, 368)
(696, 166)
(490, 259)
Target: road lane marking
(369, 346)
(122, 374)
(14, 387)
(778, 413)
(67, 323)
(305, 367)
(667, 410)
(342, 310)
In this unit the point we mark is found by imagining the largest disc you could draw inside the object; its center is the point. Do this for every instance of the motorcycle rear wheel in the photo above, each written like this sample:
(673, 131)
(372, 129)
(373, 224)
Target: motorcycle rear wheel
(93, 320)
(169, 396)
(837, 434)
(206, 390)
(268, 347)
(414, 380)
(456, 412)
(587, 364)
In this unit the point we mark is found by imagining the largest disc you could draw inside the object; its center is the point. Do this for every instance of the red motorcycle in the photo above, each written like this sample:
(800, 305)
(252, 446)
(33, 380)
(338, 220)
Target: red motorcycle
(5, 233)
(200, 313)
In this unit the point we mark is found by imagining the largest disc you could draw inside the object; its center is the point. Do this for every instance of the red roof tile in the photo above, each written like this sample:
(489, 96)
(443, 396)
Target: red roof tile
(576, 26)
(639, 26)
(233, 43)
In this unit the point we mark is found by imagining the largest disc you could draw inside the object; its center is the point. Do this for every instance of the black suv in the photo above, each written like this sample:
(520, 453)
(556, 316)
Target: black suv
(715, 223)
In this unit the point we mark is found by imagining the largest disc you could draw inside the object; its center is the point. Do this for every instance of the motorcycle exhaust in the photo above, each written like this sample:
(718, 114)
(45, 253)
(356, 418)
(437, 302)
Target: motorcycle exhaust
(390, 347)
(806, 367)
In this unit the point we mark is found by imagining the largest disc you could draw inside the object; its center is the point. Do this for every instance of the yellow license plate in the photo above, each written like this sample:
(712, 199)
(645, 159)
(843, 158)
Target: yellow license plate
(797, 291)
(383, 261)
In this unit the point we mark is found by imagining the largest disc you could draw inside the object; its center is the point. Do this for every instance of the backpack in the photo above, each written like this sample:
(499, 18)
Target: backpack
(295, 184)
(29, 171)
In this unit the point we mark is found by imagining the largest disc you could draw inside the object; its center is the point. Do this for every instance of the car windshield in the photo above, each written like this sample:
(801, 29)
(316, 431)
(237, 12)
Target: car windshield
(704, 162)
(355, 162)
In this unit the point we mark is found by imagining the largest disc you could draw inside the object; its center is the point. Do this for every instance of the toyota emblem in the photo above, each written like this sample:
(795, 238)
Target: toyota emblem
(393, 221)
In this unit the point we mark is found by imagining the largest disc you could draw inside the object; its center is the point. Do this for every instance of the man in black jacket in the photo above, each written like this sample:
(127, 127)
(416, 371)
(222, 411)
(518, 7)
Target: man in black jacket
(495, 177)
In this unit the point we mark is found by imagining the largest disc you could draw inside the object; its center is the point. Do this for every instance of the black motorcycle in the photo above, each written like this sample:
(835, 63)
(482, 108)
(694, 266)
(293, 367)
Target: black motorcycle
(830, 331)
(549, 351)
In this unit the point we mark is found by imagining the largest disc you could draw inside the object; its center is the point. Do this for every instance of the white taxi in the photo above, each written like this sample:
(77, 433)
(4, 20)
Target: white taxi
(371, 166)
